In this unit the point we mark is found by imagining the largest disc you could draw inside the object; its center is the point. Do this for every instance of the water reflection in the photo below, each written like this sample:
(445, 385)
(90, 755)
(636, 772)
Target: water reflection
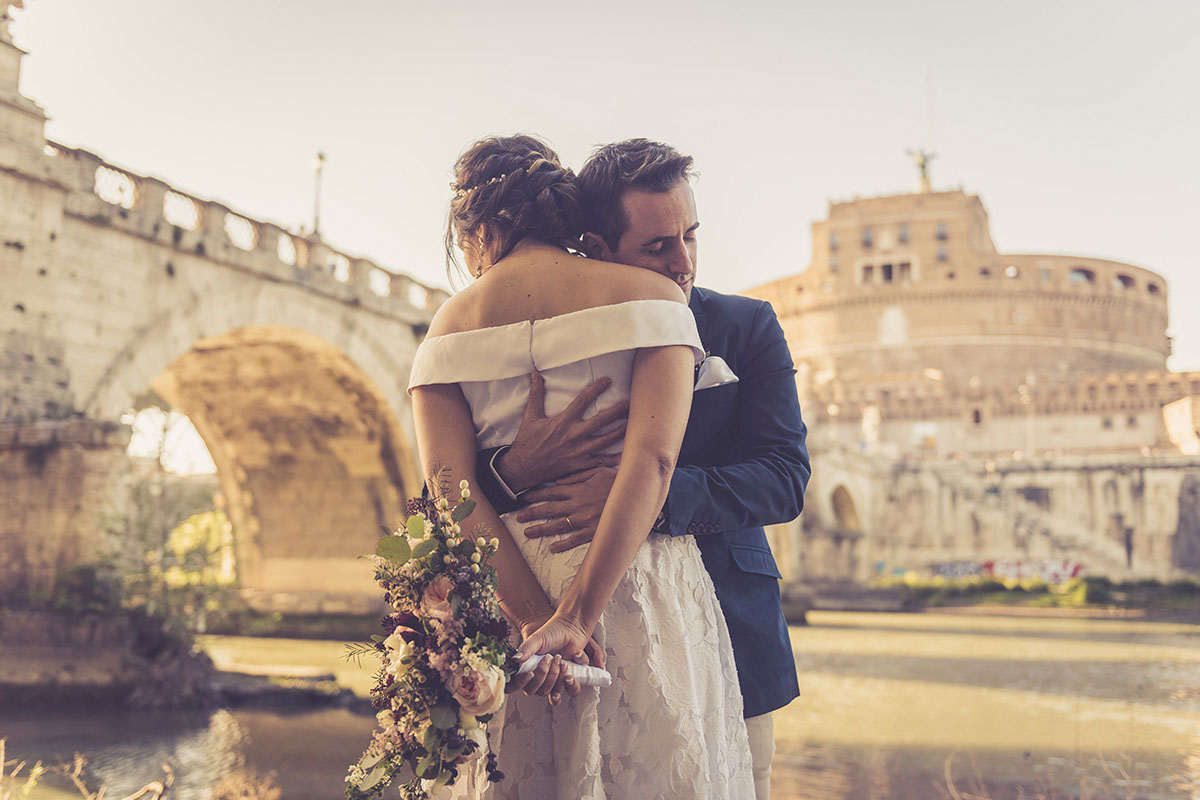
(910, 705)
(895, 706)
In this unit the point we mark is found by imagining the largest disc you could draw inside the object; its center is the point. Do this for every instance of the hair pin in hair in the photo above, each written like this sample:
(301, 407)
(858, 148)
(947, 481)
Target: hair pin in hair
(459, 192)
(464, 192)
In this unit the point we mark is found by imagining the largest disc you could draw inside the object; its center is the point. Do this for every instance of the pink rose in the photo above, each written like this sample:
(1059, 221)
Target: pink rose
(477, 692)
(436, 602)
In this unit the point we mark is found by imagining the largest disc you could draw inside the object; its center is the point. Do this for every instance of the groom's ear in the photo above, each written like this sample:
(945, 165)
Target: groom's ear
(595, 246)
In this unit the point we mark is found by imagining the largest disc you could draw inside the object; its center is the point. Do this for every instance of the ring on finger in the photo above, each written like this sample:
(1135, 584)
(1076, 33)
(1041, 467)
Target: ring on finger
(570, 527)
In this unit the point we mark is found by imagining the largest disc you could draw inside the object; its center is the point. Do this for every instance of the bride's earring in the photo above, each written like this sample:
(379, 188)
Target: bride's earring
(479, 268)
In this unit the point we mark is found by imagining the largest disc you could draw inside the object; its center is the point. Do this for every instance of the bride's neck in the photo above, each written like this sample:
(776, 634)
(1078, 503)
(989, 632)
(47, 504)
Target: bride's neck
(529, 246)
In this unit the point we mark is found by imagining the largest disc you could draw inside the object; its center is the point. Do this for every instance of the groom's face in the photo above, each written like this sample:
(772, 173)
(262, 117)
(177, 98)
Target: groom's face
(661, 235)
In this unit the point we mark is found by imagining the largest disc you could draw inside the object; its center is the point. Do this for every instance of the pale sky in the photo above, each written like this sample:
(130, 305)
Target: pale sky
(1077, 122)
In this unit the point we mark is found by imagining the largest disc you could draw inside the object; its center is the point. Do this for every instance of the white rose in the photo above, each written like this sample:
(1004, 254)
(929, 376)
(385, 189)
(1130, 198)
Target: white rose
(478, 691)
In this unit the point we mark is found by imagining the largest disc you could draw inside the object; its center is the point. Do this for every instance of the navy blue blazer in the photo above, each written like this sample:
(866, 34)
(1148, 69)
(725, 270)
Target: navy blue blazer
(743, 465)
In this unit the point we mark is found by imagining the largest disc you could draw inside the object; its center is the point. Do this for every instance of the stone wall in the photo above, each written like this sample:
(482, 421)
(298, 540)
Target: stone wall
(56, 480)
(290, 357)
(1122, 517)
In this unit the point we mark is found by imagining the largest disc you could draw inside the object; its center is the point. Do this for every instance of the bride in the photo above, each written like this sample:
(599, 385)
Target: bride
(670, 725)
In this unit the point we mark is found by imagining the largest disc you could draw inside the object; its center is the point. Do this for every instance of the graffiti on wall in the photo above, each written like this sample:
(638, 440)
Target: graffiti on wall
(1050, 570)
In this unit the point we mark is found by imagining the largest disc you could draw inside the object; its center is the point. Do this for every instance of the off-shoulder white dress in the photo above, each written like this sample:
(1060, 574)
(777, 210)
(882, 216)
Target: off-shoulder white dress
(670, 726)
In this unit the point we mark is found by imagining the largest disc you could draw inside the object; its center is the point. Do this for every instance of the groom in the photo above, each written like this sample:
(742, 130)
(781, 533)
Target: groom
(743, 463)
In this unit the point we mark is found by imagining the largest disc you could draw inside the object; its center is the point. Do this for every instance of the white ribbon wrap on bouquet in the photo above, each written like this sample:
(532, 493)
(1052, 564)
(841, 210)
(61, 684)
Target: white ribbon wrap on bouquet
(585, 675)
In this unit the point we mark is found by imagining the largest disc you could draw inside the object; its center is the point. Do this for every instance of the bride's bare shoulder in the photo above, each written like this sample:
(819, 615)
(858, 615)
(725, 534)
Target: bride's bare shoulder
(455, 315)
(619, 283)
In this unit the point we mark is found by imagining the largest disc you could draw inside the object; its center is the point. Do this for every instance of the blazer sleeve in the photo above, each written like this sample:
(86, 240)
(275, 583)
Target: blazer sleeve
(763, 482)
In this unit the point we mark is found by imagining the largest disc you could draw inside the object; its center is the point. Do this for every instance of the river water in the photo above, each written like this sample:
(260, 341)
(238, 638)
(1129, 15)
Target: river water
(916, 706)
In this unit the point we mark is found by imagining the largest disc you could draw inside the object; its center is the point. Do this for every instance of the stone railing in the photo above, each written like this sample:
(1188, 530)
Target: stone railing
(103, 194)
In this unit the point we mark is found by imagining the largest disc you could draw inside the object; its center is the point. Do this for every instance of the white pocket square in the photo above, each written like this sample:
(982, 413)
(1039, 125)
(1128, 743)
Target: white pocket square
(713, 372)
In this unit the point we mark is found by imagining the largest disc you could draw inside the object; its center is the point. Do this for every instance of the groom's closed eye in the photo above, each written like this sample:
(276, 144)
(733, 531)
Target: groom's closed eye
(656, 245)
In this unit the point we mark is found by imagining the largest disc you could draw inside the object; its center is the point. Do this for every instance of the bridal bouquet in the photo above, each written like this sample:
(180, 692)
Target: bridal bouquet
(446, 657)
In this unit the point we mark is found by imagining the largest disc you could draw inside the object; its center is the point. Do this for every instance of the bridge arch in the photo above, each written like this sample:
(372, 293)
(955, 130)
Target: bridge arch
(304, 412)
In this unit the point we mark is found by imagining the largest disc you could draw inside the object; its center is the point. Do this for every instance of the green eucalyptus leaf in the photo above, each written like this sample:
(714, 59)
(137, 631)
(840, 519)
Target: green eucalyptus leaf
(373, 778)
(431, 738)
(370, 761)
(442, 780)
(426, 768)
(385, 530)
(462, 510)
(375, 637)
(443, 717)
(394, 549)
(415, 526)
(424, 548)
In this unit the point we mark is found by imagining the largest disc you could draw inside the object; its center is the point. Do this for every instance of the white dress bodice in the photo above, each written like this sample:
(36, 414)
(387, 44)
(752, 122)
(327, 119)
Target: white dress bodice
(670, 726)
(492, 365)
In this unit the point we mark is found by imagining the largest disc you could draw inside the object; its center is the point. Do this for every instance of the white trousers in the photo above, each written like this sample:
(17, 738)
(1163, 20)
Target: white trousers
(761, 730)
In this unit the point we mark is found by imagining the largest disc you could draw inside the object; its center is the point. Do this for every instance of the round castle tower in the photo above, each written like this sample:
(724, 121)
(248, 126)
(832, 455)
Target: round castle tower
(910, 325)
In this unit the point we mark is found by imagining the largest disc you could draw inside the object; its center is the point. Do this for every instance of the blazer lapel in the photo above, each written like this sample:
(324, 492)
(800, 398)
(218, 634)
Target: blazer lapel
(696, 304)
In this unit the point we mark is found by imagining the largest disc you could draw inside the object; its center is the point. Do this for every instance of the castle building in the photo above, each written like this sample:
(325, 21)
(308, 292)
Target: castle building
(969, 407)
(913, 334)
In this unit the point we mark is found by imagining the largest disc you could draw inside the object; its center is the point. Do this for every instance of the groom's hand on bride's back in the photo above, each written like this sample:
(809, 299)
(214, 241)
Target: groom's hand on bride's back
(570, 508)
(547, 448)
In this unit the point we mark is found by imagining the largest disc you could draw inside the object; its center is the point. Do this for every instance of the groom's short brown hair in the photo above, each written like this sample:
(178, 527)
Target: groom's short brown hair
(614, 169)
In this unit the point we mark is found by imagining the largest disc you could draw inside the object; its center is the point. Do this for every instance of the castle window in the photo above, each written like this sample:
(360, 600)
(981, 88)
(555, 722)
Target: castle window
(833, 241)
(1046, 274)
(1131, 422)
(905, 271)
(1011, 272)
(868, 237)
(942, 233)
(1122, 281)
(868, 274)
(985, 272)
(1106, 423)
(949, 276)
(942, 254)
(833, 263)
(976, 417)
(1081, 275)
(903, 233)
(885, 273)
(1152, 288)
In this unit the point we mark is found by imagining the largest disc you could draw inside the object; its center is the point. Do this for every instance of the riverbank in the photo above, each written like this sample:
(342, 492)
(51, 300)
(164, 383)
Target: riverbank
(1031, 704)
(1082, 598)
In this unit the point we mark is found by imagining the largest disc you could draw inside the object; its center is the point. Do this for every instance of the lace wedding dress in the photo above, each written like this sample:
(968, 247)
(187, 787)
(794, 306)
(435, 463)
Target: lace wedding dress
(670, 726)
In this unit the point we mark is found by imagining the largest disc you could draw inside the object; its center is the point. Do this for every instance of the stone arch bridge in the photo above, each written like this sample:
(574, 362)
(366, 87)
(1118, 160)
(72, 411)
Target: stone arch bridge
(290, 358)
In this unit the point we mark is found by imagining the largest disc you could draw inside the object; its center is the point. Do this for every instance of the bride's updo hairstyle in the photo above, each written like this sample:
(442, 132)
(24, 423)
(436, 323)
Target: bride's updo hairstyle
(517, 188)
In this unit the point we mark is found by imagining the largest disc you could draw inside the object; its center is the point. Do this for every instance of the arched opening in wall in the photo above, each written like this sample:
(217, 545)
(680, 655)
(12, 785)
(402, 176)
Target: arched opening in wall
(845, 514)
(309, 458)
(171, 541)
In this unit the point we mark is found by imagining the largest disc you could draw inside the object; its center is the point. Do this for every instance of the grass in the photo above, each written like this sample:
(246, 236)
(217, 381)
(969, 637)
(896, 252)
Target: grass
(279, 657)
(1180, 596)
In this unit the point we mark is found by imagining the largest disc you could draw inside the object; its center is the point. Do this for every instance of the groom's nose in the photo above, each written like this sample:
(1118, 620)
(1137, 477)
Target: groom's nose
(683, 261)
